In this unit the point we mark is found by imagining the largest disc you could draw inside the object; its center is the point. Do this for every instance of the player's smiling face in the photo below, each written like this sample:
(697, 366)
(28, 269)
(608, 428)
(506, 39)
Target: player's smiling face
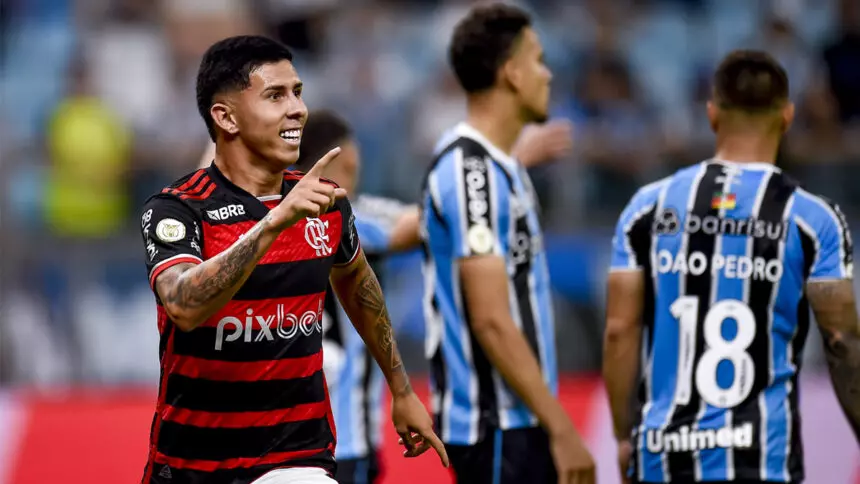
(530, 76)
(271, 113)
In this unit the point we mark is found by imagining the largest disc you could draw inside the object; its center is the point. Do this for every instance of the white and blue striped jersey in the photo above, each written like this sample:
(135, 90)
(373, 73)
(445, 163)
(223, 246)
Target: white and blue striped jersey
(355, 381)
(479, 201)
(726, 249)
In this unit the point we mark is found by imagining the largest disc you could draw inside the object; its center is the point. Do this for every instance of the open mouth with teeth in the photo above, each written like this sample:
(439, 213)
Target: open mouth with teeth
(291, 135)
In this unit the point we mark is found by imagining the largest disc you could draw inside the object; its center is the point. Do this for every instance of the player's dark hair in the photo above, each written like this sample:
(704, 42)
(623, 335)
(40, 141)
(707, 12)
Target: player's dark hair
(750, 81)
(323, 131)
(483, 41)
(227, 66)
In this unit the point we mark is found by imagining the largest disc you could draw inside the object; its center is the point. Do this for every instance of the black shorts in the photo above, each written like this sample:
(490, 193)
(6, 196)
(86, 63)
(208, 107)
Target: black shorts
(505, 457)
(358, 471)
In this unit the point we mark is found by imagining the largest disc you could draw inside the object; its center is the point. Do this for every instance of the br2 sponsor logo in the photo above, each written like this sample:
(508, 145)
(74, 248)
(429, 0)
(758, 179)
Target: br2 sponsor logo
(224, 213)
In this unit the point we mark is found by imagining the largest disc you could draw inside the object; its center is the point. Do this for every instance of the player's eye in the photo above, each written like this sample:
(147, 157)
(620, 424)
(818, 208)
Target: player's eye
(275, 96)
(298, 92)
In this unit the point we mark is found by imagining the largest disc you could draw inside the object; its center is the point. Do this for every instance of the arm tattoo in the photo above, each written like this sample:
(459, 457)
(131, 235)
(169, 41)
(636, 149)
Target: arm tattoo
(835, 311)
(369, 296)
(369, 302)
(843, 360)
(196, 287)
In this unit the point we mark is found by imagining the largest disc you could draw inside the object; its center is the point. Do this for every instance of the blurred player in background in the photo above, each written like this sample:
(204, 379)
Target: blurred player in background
(384, 226)
(717, 265)
(240, 255)
(490, 328)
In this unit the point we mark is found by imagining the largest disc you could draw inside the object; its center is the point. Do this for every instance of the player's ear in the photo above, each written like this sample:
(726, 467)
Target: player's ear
(511, 74)
(713, 115)
(224, 117)
(787, 116)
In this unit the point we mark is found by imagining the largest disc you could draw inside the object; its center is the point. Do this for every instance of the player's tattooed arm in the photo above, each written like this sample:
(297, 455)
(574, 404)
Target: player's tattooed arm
(835, 311)
(361, 296)
(191, 293)
(621, 344)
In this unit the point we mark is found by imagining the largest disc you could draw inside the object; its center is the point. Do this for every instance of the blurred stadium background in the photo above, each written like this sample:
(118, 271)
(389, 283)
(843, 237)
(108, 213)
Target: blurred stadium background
(97, 111)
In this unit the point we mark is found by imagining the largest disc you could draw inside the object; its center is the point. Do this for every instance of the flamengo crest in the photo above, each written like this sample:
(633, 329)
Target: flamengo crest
(316, 236)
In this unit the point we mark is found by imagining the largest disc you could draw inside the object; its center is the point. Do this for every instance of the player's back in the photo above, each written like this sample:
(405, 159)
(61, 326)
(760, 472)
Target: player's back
(726, 250)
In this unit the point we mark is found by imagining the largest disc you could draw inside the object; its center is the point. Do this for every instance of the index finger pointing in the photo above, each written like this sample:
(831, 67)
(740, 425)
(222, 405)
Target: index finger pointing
(437, 444)
(320, 165)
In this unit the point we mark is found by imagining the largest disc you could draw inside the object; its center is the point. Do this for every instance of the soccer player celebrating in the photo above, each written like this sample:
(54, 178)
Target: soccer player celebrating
(239, 256)
(714, 269)
(490, 334)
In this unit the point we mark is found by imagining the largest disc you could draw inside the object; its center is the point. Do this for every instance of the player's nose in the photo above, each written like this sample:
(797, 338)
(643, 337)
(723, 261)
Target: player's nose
(297, 111)
(548, 74)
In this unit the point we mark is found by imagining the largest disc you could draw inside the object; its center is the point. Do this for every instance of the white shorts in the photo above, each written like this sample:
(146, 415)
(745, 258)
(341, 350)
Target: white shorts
(296, 475)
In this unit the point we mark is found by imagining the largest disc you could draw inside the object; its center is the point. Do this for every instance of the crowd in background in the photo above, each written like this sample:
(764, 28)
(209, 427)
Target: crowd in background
(97, 111)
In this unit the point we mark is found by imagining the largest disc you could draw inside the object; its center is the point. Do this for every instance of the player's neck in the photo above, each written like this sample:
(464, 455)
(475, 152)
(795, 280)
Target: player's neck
(747, 148)
(497, 120)
(253, 176)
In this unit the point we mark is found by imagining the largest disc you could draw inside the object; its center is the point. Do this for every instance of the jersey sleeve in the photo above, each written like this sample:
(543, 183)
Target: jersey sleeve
(350, 245)
(375, 220)
(473, 196)
(632, 226)
(375, 236)
(835, 258)
(171, 235)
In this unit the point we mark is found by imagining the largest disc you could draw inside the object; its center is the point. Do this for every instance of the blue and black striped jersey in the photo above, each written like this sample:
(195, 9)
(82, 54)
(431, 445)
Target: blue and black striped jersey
(726, 249)
(479, 201)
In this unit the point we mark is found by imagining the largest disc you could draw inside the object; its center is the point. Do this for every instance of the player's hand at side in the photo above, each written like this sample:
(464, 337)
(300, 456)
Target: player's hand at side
(310, 197)
(573, 461)
(415, 427)
(625, 453)
(542, 143)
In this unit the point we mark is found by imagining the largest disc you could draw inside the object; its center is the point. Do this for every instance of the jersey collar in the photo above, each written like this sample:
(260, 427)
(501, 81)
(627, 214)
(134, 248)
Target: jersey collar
(225, 182)
(749, 165)
(465, 130)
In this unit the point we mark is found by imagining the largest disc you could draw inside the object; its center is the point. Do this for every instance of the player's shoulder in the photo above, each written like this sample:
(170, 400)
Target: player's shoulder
(813, 201)
(463, 158)
(683, 177)
(458, 147)
(186, 192)
(649, 194)
(817, 210)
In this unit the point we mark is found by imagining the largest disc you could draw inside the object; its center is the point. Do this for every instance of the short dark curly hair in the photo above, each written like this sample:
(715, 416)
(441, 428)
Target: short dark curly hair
(323, 131)
(227, 65)
(750, 81)
(483, 41)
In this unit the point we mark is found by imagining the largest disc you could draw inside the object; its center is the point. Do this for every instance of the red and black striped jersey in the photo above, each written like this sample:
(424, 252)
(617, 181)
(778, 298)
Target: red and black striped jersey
(244, 392)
